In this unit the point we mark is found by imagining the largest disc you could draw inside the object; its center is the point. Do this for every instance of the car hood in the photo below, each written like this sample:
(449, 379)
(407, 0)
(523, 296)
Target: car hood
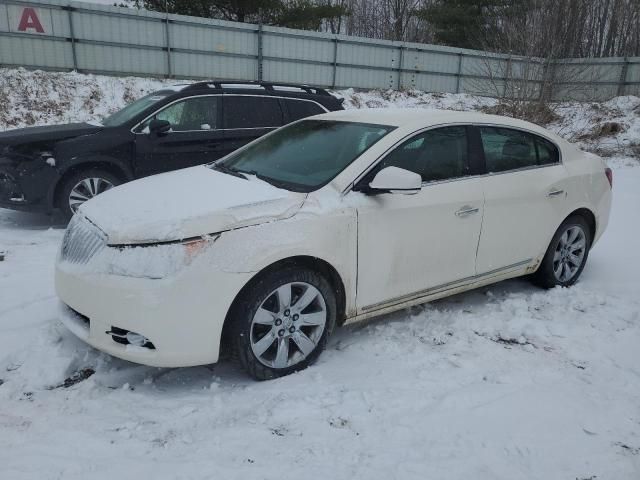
(187, 203)
(21, 136)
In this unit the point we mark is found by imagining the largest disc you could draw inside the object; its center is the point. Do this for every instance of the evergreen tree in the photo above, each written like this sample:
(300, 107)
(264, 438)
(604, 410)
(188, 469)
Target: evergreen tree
(304, 14)
(461, 23)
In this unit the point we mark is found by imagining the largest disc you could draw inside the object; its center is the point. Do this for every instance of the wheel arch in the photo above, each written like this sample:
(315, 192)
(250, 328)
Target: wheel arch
(114, 168)
(314, 263)
(588, 216)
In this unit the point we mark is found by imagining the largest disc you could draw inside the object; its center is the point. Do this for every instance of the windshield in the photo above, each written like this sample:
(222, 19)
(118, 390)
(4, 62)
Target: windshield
(130, 111)
(305, 155)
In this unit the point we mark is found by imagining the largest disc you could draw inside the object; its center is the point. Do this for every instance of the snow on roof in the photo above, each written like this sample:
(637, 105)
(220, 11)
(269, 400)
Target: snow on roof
(178, 87)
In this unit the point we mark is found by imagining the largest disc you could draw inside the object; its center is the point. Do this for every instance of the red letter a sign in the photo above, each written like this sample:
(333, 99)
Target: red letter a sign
(30, 19)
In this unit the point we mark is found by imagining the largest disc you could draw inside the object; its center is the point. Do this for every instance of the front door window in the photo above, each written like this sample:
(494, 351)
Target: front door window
(435, 155)
(191, 114)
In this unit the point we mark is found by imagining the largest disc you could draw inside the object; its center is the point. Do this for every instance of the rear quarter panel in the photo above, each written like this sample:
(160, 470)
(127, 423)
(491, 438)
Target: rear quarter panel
(587, 185)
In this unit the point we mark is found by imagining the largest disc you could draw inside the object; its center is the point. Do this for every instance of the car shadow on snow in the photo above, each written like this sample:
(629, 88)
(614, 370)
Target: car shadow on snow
(16, 220)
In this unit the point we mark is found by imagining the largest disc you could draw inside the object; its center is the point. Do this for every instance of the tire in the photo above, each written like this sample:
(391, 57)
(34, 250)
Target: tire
(261, 323)
(564, 248)
(97, 181)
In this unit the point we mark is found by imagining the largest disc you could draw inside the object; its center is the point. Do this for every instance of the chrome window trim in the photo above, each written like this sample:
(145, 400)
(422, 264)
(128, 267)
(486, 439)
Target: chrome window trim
(467, 177)
(220, 95)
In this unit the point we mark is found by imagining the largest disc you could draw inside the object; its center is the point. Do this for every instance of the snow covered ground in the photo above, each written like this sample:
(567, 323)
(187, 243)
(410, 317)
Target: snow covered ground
(506, 382)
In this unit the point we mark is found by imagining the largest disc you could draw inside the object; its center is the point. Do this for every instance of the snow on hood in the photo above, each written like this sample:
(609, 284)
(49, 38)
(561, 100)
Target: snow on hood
(187, 203)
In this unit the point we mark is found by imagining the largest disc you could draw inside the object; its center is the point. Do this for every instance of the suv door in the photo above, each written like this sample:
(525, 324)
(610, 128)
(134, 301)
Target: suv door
(525, 197)
(194, 138)
(413, 245)
(247, 117)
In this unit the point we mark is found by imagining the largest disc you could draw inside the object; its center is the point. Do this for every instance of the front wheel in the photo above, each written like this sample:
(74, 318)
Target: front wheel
(282, 322)
(566, 256)
(83, 186)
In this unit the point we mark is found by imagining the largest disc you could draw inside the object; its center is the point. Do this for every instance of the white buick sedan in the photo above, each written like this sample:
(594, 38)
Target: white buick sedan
(327, 221)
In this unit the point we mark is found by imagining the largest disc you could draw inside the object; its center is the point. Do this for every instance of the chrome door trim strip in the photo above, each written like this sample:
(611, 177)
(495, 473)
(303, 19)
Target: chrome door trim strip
(444, 287)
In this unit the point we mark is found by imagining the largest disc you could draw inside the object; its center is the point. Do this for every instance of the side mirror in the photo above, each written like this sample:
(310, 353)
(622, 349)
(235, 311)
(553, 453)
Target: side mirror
(159, 127)
(395, 180)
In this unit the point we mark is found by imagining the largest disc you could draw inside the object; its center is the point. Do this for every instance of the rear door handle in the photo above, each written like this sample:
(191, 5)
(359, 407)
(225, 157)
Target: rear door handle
(555, 193)
(466, 211)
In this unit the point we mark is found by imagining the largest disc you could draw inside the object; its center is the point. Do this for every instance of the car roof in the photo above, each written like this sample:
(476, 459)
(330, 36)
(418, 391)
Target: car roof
(266, 89)
(416, 118)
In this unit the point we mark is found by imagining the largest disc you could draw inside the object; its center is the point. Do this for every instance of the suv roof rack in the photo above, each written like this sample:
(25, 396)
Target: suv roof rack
(269, 86)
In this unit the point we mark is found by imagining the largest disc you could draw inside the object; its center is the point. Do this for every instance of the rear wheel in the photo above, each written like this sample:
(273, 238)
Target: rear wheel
(283, 321)
(566, 256)
(83, 186)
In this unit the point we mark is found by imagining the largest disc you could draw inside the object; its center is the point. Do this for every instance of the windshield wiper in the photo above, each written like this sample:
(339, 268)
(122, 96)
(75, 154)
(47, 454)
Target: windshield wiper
(276, 183)
(259, 176)
(224, 169)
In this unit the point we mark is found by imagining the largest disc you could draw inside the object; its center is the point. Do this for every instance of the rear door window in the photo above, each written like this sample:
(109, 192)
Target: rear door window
(302, 108)
(506, 149)
(547, 152)
(251, 112)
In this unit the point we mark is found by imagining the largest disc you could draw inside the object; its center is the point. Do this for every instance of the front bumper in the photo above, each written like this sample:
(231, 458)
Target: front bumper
(182, 316)
(27, 186)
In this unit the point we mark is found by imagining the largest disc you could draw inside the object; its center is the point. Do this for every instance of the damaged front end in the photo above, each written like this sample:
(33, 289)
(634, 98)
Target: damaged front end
(86, 247)
(26, 175)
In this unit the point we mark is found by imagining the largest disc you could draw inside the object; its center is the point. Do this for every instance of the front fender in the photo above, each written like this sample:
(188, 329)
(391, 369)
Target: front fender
(330, 238)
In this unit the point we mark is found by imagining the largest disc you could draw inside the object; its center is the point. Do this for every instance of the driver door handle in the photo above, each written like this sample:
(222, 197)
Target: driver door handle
(466, 211)
(555, 193)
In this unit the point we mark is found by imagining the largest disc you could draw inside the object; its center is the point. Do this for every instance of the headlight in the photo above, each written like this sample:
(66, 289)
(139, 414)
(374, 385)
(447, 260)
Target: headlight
(153, 261)
(85, 247)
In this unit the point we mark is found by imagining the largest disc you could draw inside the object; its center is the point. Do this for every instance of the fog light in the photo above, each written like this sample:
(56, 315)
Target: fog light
(136, 339)
(126, 337)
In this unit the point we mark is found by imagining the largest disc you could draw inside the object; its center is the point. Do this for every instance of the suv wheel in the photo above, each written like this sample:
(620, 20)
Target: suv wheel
(83, 186)
(282, 323)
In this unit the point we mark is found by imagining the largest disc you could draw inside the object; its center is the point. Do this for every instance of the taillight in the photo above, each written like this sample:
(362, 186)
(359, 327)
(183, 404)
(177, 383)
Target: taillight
(609, 173)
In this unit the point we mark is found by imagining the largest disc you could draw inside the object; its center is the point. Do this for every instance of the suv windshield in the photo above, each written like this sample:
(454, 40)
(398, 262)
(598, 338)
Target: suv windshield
(305, 155)
(130, 111)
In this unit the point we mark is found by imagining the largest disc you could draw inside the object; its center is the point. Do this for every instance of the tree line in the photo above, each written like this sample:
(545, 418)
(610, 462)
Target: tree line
(574, 28)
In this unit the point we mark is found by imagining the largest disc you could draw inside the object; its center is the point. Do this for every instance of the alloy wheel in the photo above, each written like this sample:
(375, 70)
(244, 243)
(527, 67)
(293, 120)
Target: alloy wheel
(288, 325)
(86, 189)
(569, 253)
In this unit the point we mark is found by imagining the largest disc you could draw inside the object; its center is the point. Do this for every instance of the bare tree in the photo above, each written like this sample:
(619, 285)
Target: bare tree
(536, 38)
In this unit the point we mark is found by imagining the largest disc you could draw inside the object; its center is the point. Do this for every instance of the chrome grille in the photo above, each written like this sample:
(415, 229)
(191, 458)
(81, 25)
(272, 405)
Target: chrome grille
(81, 241)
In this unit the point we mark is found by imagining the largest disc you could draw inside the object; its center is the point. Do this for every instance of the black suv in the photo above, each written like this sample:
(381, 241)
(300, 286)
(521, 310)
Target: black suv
(43, 168)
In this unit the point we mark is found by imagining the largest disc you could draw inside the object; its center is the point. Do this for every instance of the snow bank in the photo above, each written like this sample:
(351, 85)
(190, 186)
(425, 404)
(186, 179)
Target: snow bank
(610, 129)
(30, 98)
